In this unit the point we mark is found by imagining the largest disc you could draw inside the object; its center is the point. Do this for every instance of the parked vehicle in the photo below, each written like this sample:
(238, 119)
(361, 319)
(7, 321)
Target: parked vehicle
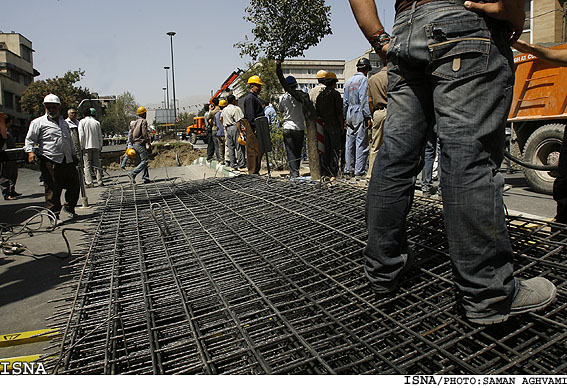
(197, 130)
(538, 116)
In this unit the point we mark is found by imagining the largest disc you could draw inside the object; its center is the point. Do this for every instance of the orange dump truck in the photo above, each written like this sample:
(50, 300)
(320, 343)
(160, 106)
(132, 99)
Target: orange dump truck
(197, 130)
(538, 115)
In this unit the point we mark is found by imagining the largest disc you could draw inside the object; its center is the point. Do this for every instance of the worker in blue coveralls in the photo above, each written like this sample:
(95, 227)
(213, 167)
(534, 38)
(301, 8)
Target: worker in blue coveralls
(357, 113)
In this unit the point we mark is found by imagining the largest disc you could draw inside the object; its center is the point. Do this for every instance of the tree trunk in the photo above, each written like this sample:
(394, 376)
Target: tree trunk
(312, 149)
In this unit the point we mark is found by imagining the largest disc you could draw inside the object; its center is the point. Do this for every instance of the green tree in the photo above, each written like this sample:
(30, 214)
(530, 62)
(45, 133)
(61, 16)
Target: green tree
(285, 29)
(119, 114)
(185, 120)
(64, 87)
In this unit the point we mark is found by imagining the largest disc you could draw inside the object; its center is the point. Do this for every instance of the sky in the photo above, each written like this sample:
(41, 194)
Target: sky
(122, 45)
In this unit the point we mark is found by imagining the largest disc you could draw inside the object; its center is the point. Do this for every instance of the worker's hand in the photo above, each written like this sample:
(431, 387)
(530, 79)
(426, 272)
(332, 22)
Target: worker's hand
(32, 157)
(522, 46)
(511, 11)
(367, 122)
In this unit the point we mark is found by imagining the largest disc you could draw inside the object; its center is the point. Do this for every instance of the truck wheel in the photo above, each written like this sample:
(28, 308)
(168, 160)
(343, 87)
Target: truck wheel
(193, 138)
(542, 148)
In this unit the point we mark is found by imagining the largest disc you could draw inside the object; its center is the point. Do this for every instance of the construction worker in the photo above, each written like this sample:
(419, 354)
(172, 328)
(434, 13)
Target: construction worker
(73, 124)
(357, 114)
(213, 145)
(559, 58)
(8, 168)
(377, 101)
(220, 133)
(469, 103)
(56, 156)
(314, 93)
(270, 113)
(293, 127)
(329, 107)
(126, 157)
(254, 114)
(91, 140)
(231, 117)
(139, 137)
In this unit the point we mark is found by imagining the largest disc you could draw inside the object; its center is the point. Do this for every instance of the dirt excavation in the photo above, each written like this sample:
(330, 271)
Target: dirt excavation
(162, 155)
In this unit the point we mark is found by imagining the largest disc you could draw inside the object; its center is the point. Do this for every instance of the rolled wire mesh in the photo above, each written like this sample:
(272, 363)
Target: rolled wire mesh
(253, 276)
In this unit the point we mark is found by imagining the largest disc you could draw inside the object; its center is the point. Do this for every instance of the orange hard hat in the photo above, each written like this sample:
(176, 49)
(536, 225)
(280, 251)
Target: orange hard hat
(255, 80)
(241, 140)
(131, 152)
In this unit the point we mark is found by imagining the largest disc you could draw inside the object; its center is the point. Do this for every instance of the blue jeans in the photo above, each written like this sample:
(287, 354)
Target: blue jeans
(356, 149)
(143, 165)
(452, 67)
(293, 141)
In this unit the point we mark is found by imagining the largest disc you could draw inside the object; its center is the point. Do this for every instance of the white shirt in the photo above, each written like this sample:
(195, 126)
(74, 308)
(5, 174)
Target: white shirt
(52, 137)
(292, 113)
(231, 114)
(90, 134)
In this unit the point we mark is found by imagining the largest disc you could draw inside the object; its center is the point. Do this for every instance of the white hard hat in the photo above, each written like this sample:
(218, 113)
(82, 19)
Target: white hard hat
(51, 99)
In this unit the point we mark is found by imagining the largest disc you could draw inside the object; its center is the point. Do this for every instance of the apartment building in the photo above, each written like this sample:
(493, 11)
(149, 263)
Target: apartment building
(305, 71)
(16, 73)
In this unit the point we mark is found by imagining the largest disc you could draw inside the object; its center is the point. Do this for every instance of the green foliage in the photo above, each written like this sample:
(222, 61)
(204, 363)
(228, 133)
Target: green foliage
(119, 114)
(266, 70)
(285, 28)
(278, 155)
(63, 87)
(185, 119)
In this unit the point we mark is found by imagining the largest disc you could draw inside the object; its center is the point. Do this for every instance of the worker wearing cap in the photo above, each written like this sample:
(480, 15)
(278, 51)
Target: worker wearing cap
(329, 107)
(377, 100)
(220, 132)
(55, 152)
(91, 140)
(314, 93)
(254, 114)
(140, 139)
(293, 127)
(357, 115)
(73, 124)
(231, 119)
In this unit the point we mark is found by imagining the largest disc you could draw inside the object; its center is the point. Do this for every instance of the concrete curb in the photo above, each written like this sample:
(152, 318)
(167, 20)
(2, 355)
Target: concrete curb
(220, 169)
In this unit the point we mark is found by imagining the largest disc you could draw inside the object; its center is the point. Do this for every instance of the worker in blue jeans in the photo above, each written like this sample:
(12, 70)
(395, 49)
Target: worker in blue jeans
(452, 66)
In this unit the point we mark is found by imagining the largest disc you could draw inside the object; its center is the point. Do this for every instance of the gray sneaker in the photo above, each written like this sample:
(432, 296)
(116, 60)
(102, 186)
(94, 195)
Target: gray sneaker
(532, 295)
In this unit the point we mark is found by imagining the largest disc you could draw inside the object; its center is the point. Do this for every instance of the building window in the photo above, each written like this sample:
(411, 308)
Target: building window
(8, 100)
(18, 104)
(27, 79)
(13, 74)
(527, 33)
(26, 52)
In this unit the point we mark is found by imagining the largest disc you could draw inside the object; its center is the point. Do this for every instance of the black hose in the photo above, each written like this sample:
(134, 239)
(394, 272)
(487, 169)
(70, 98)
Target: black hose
(538, 167)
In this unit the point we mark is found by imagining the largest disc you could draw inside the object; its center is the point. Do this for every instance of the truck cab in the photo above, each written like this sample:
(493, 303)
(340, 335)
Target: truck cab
(197, 130)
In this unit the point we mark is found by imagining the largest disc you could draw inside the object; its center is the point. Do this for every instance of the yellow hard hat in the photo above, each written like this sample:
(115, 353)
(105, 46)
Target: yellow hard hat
(241, 140)
(331, 75)
(222, 103)
(321, 74)
(131, 152)
(141, 110)
(255, 80)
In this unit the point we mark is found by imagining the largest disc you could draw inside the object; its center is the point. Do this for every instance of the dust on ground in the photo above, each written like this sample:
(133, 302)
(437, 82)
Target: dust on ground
(162, 155)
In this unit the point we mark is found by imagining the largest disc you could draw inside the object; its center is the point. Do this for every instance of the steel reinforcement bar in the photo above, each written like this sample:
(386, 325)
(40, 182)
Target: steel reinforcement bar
(251, 276)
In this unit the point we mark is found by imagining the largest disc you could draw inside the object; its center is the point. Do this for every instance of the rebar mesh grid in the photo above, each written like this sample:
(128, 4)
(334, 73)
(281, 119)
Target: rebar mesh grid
(251, 276)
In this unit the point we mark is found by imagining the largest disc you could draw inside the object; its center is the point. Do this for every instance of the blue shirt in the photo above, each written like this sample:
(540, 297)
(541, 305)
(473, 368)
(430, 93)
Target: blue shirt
(220, 128)
(355, 100)
(270, 114)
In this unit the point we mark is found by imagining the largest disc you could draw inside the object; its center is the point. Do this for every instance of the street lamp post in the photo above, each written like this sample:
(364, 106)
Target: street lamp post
(167, 88)
(164, 99)
(171, 34)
